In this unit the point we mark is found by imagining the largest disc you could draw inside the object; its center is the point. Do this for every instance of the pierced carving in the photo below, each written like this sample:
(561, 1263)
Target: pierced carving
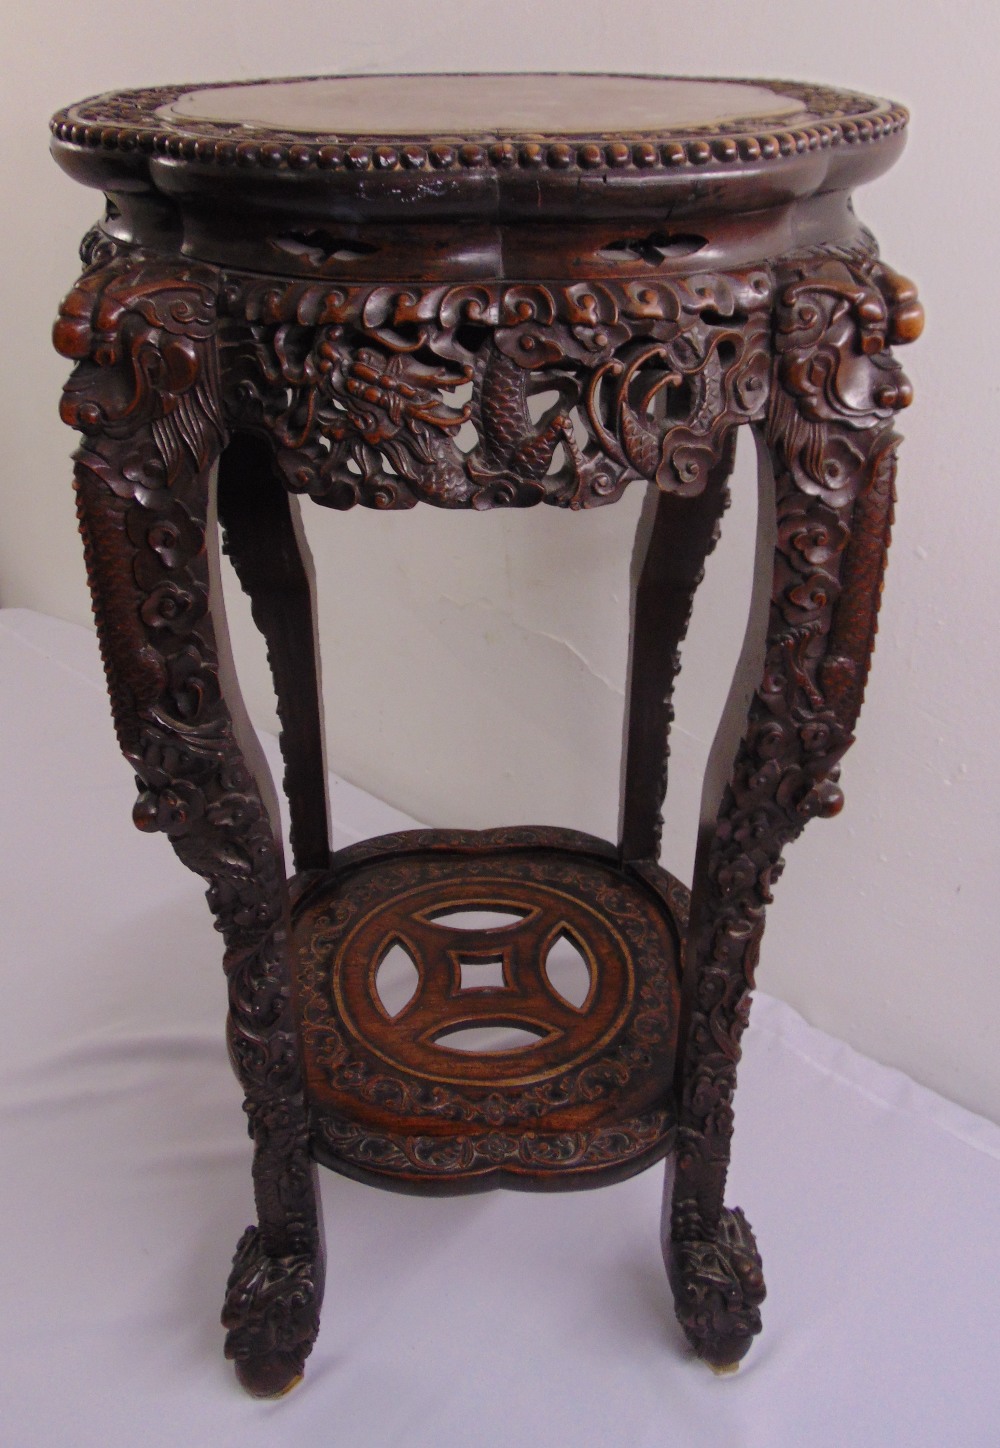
(484, 395)
(594, 1066)
(356, 386)
(318, 246)
(654, 248)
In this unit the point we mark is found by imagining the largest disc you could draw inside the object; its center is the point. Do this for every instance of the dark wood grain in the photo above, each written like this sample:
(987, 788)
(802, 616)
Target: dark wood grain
(832, 451)
(145, 393)
(370, 318)
(673, 540)
(590, 1100)
(262, 534)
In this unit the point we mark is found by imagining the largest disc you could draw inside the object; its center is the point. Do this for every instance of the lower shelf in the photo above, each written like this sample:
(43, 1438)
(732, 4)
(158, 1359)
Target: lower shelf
(488, 1008)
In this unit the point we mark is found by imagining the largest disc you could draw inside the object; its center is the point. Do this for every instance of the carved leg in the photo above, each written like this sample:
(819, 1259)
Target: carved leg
(145, 394)
(264, 538)
(674, 538)
(829, 440)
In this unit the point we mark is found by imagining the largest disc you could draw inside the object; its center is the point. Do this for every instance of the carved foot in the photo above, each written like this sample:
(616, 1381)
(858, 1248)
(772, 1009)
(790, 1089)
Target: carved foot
(718, 1288)
(272, 1316)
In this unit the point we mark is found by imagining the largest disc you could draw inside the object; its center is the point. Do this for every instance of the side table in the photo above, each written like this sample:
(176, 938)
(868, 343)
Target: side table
(480, 292)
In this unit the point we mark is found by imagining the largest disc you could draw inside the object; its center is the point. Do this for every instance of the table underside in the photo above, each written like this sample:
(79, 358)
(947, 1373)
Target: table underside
(488, 1008)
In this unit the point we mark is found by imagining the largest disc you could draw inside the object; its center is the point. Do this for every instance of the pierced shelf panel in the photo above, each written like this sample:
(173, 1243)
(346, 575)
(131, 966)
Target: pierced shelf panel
(483, 1077)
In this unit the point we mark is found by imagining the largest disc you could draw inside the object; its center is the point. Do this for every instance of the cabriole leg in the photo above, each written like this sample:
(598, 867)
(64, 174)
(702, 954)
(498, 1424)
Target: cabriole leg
(829, 444)
(145, 395)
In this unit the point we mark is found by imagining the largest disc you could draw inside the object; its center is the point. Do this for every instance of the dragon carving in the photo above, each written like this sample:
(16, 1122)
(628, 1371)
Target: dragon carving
(476, 396)
(359, 389)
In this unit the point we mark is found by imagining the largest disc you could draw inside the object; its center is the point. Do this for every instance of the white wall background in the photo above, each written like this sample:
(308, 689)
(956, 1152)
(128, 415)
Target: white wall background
(474, 665)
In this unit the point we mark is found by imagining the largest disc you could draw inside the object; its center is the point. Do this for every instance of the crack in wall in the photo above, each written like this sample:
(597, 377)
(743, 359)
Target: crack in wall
(485, 605)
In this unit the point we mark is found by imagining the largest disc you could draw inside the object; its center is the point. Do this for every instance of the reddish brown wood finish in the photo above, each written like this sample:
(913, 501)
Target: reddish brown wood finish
(308, 311)
(263, 537)
(590, 1101)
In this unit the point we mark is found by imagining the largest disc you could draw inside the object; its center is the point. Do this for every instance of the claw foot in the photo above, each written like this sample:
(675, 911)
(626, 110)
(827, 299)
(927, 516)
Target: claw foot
(272, 1316)
(718, 1288)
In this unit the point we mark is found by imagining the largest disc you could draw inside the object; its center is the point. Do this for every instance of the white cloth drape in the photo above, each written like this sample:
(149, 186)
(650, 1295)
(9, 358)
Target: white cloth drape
(504, 1319)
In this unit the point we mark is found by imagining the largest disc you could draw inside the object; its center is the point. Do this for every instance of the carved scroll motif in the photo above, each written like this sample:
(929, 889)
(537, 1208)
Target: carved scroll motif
(480, 396)
(145, 394)
(460, 1157)
(835, 388)
(484, 395)
(593, 1091)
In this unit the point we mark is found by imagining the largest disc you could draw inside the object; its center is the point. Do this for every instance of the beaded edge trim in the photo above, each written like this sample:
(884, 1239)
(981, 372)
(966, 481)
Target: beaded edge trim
(122, 121)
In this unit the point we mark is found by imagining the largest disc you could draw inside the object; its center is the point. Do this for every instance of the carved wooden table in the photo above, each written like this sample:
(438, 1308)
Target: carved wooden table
(355, 289)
